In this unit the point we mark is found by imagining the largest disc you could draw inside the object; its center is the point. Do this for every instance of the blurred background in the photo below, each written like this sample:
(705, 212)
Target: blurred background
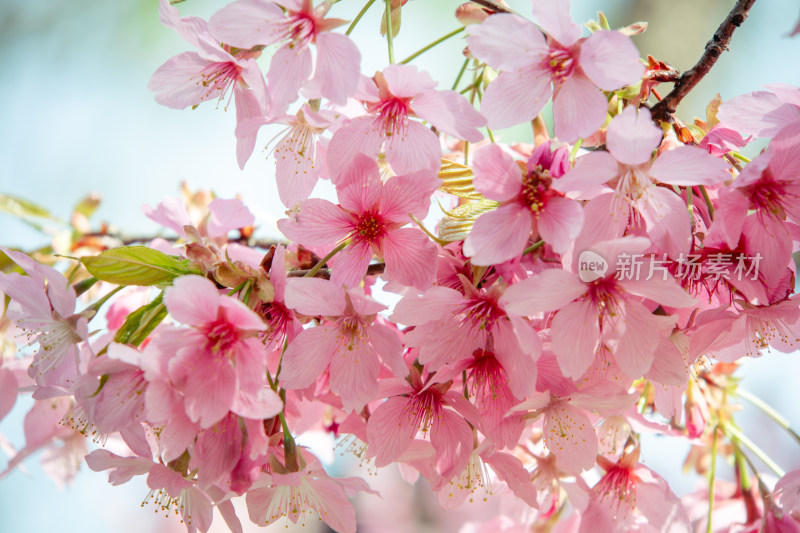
(77, 117)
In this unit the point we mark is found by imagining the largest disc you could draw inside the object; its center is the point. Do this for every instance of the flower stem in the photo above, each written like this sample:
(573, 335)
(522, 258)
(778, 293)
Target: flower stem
(431, 45)
(358, 17)
(434, 238)
(321, 262)
(95, 307)
(533, 247)
(389, 36)
(574, 151)
(769, 411)
(711, 477)
(734, 432)
(460, 73)
(709, 205)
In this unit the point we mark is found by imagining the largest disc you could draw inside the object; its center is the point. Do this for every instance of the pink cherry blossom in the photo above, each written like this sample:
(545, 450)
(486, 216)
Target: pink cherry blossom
(604, 310)
(528, 205)
(311, 490)
(629, 169)
(427, 407)
(43, 306)
(768, 188)
(296, 24)
(372, 215)
(392, 97)
(350, 342)
(218, 356)
(762, 113)
(534, 67)
(212, 73)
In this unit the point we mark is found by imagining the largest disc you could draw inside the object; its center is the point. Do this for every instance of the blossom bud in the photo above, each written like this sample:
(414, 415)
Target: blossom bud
(470, 13)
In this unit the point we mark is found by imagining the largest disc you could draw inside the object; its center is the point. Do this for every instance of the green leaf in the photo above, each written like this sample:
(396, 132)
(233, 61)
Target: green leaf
(22, 208)
(141, 322)
(136, 265)
(87, 205)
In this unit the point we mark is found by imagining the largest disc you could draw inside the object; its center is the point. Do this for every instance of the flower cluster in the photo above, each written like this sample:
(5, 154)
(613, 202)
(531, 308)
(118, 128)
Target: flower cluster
(522, 351)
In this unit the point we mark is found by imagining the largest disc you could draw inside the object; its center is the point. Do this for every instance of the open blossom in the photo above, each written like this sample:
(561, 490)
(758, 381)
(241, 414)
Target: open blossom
(212, 73)
(630, 172)
(372, 215)
(292, 495)
(43, 306)
(628, 494)
(762, 113)
(295, 24)
(392, 98)
(528, 204)
(603, 310)
(768, 189)
(218, 357)
(427, 407)
(350, 342)
(534, 67)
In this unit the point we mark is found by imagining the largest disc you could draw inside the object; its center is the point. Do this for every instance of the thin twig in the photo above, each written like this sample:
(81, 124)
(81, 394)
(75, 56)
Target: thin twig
(662, 110)
(325, 273)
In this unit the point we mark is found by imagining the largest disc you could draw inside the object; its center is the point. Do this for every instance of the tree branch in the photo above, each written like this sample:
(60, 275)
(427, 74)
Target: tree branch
(374, 269)
(714, 48)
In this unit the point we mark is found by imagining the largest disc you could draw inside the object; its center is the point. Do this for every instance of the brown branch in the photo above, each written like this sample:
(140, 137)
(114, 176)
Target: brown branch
(492, 6)
(372, 270)
(127, 240)
(662, 110)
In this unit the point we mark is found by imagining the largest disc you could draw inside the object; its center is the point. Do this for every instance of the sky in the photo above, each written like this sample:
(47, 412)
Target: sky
(77, 118)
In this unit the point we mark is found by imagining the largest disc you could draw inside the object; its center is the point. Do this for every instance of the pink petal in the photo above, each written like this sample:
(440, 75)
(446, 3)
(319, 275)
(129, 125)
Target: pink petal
(575, 337)
(361, 135)
(585, 180)
(669, 367)
(359, 186)
(436, 302)
(338, 67)
(662, 291)
(314, 297)
(569, 435)
(667, 220)
(124, 467)
(498, 236)
(497, 175)
(638, 334)
(192, 300)
(389, 347)
(579, 108)
(227, 215)
(289, 69)
(209, 392)
(451, 113)
(407, 81)
(515, 97)
(688, 165)
(170, 213)
(8, 392)
(262, 405)
(554, 18)
(319, 223)
(307, 356)
(610, 60)
(520, 366)
(354, 374)
(549, 290)
(560, 222)
(296, 167)
(759, 113)
(411, 193)
(239, 315)
(246, 23)
(785, 162)
(351, 264)
(490, 42)
(217, 450)
(336, 510)
(390, 430)
(177, 82)
(417, 148)
(452, 438)
(632, 137)
(410, 257)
